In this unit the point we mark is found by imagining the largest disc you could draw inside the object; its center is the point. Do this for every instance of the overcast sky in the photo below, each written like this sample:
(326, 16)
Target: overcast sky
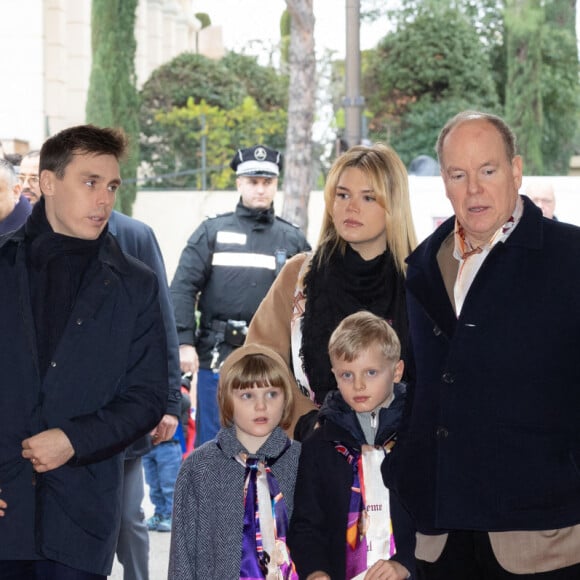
(244, 21)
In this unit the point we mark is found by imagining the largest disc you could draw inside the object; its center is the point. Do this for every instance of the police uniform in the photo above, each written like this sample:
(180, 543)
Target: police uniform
(226, 268)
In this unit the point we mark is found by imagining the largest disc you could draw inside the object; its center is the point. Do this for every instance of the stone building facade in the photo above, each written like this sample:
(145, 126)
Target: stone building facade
(49, 43)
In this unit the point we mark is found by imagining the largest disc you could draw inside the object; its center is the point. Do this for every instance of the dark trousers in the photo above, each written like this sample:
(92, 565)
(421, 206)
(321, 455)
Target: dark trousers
(133, 542)
(469, 556)
(42, 570)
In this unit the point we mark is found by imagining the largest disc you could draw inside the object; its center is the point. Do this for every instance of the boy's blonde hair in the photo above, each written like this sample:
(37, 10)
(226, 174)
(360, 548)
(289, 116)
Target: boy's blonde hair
(360, 331)
(254, 365)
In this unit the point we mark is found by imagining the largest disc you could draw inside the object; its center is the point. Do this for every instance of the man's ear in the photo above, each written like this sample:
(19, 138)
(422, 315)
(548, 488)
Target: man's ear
(46, 182)
(16, 190)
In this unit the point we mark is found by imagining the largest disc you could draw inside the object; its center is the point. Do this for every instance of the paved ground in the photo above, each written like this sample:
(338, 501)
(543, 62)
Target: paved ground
(158, 550)
(158, 558)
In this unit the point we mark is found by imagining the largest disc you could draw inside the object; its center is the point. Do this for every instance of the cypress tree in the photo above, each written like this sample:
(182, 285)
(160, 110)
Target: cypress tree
(523, 24)
(113, 99)
(560, 86)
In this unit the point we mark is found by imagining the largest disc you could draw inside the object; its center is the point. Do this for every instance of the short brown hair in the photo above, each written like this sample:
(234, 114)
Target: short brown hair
(360, 331)
(57, 151)
(254, 365)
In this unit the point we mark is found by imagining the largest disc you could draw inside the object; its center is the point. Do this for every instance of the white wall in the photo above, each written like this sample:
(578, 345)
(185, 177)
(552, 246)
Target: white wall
(21, 69)
(46, 58)
(175, 214)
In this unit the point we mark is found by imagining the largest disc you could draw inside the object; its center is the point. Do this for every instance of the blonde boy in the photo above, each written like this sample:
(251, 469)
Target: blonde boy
(345, 524)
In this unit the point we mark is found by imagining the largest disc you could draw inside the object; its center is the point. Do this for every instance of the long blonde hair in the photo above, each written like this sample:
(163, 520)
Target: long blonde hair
(389, 180)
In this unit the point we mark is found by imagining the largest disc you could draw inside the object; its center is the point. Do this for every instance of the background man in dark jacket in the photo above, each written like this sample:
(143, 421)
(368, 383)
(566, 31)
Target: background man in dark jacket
(489, 462)
(14, 208)
(225, 270)
(84, 365)
(138, 240)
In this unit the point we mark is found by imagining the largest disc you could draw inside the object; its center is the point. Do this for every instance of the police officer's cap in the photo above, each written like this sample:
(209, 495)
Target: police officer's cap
(257, 161)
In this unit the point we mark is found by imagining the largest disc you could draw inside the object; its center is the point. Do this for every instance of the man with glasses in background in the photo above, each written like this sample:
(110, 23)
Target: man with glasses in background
(28, 176)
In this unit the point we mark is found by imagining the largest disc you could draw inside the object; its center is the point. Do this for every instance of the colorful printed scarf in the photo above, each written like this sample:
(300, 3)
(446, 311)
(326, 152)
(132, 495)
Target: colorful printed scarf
(256, 562)
(471, 258)
(356, 543)
(368, 538)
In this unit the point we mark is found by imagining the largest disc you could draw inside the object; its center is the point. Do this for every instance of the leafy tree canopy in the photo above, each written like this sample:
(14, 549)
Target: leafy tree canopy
(190, 75)
(205, 136)
(428, 69)
(263, 83)
(560, 98)
(194, 103)
(204, 19)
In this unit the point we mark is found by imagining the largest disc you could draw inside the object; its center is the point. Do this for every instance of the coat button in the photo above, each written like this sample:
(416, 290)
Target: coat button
(79, 321)
(442, 433)
(448, 378)
(52, 363)
(436, 331)
(106, 282)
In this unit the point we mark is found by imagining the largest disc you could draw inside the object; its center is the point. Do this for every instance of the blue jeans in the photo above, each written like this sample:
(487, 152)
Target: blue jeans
(207, 416)
(161, 467)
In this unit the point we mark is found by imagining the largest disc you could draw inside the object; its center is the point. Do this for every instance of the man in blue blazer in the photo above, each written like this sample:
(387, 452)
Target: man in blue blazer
(84, 365)
(138, 240)
(489, 461)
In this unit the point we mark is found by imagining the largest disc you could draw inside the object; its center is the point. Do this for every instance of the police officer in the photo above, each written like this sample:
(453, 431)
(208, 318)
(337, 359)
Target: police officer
(226, 268)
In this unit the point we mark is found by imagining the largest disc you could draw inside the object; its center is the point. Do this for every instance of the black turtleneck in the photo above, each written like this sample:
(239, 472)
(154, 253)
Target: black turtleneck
(57, 265)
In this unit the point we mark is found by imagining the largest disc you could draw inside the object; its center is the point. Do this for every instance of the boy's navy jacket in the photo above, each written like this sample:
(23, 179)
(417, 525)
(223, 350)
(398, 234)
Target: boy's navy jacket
(317, 535)
(105, 387)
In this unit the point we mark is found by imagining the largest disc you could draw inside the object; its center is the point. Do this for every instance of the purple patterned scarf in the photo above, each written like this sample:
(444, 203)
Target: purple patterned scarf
(256, 562)
(356, 542)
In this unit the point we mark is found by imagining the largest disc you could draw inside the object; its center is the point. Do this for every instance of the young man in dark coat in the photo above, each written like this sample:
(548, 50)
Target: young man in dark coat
(84, 365)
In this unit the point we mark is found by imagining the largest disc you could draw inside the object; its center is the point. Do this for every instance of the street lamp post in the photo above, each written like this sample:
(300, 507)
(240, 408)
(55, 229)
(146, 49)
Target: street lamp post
(353, 102)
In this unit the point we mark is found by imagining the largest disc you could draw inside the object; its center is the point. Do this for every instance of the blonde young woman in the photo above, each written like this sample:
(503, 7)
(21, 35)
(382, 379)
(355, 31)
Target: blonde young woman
(359, 264)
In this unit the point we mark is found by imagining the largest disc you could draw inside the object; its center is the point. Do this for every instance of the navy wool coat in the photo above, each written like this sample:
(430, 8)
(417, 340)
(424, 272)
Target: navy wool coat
(317, 535)
(106, 386)
(138, 240)
(492, 441)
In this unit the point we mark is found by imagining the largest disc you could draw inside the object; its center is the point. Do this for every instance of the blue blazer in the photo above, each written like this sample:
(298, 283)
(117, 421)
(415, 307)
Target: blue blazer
(492, 437)
(106, 387)
(138, 240)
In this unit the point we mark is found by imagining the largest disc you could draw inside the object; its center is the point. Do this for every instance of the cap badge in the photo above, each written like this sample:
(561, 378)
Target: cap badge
(260, 154)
